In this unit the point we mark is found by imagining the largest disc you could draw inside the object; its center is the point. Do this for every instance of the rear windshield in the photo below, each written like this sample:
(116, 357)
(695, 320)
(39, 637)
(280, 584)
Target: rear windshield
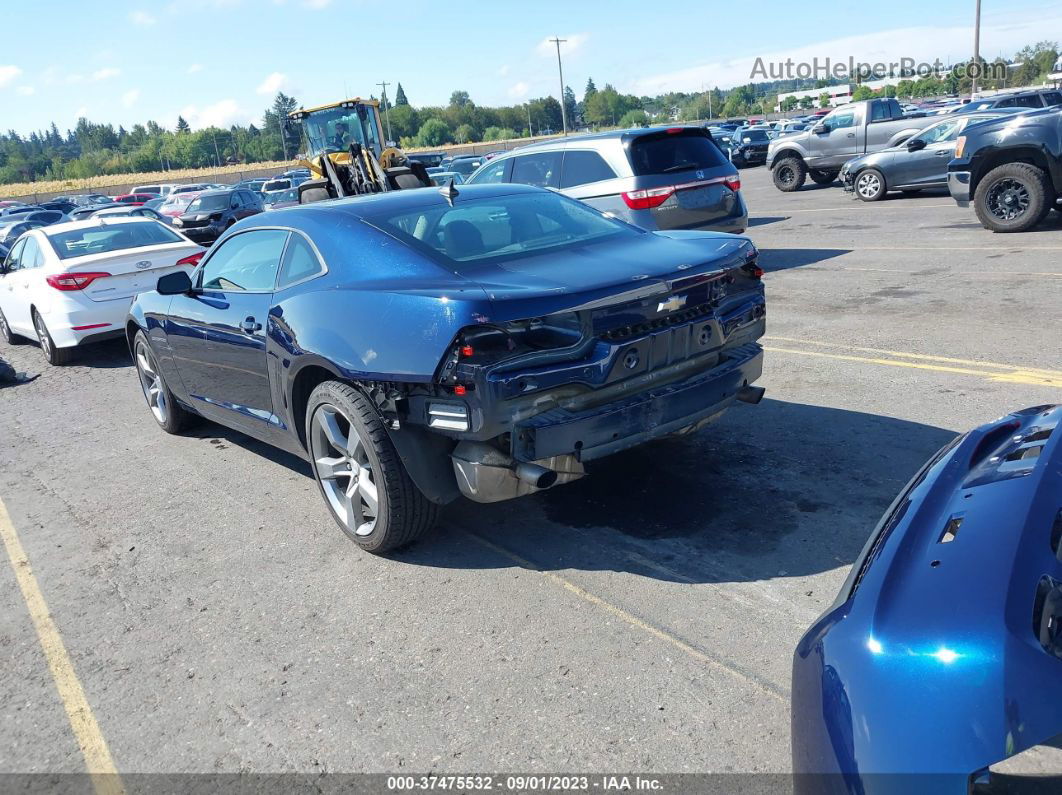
(752, 135)
(666, 153)
(277, 184)
(501, 228)
(218, 201)
(111, 237)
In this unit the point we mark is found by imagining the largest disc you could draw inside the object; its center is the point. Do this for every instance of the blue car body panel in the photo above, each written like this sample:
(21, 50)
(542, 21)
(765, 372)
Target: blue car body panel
(930, 666)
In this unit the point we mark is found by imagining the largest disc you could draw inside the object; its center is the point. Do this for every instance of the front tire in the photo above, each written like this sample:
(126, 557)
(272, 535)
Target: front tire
(55, 356)
(1013, 197)
(823, 177)
(789, 174)
(170, 416)
(363, 482)
(870, 185)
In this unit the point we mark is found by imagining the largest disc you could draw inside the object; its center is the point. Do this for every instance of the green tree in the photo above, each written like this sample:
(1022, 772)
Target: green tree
(634, 118)
(465, 133)
(570, 105)
(460, 99)
(182, 125)
(807, 103)
(789, 103)
(862, 92)
(498, 134)
(434, 132)
(590, 90)
(400, 97)
(405, 121)
(824, 99)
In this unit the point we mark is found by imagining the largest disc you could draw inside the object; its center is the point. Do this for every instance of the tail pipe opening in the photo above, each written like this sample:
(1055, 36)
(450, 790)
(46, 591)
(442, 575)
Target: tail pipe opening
(535, 475)
(751, 394)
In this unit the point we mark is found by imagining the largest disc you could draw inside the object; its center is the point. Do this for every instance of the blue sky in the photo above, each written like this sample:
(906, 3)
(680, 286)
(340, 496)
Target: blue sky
(221, 61)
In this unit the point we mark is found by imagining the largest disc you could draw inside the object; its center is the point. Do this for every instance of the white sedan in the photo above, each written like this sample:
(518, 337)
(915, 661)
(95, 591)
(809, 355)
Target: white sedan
(72, 283)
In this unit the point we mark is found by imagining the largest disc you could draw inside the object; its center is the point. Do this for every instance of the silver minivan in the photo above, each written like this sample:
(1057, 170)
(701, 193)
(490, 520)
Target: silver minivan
(657, 178)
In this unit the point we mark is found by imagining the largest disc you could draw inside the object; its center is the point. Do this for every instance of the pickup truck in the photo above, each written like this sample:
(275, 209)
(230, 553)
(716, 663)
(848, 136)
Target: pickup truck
(851, 130)
(1010, 168)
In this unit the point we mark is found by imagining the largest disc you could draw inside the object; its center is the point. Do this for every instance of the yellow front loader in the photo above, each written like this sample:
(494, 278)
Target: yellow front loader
(347, 154)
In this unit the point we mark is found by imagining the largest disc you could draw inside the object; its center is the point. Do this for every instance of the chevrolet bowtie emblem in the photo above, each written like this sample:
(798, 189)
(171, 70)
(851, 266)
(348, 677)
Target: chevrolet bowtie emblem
(671, 304)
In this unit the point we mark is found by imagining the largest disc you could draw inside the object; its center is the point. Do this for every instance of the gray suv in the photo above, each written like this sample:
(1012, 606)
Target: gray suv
(655, 178)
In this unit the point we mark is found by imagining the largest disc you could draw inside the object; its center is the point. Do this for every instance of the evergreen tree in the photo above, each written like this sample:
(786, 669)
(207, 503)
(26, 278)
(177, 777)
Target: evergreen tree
(590, 90)
(400, 96)
(182, 125)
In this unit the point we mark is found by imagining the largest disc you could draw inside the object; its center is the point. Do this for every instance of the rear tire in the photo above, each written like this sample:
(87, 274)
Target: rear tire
(55, 356)
(362, 480)
(870, 185)
(823, 177)
(171, 416)
(6, 334)
(1013, 197)
(789, 174)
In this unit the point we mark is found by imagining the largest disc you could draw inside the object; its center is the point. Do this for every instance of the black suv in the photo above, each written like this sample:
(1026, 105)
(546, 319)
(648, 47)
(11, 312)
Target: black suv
(1010, 169)
(214, 211)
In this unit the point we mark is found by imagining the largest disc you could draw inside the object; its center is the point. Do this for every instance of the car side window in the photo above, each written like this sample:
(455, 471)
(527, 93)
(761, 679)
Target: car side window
(839, 121)
(1053, 98)
(880, 111)
(581, 167)
(300, 262)
(247, 261)
(541, 169)
(31, 255)
(494, 171)
(13, 259)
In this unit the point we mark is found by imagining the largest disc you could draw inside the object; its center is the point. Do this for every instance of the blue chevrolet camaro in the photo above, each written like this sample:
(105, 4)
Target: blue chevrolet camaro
(418, 345)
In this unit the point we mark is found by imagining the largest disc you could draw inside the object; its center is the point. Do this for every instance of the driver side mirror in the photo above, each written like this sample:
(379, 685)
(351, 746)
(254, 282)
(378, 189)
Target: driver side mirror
(176, 283)
(821, 128)
(915, 144)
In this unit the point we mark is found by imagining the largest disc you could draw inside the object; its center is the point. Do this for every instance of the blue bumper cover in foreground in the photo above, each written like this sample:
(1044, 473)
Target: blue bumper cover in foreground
(943, 652)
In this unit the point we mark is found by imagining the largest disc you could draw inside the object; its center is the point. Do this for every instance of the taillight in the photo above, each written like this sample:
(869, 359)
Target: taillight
(74, 281)
(192, 259)
(734, 183)
(647, 199)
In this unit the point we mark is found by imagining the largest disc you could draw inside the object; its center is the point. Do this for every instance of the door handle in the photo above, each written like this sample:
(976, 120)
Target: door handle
(944, 153)
(851, 135)
(250, 326)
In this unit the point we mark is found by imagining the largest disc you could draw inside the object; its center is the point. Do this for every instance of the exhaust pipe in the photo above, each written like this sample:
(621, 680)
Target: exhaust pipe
(535, 475)
(751, 394)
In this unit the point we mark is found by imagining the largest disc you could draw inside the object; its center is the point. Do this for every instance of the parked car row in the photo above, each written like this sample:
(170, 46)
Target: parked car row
(1003, 156)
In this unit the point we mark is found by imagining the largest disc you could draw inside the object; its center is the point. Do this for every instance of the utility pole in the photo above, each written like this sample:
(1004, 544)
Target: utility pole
(216, 153)
(387, 114)
(977, 49)
(530, 132)
(560, 71)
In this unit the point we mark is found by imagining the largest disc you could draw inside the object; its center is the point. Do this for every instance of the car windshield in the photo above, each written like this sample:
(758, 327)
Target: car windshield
(179, 200)
(276, 184)
(749, 136)
(216, 201)
(334, 129)
(111, 237)
(499, 229)
(942, 131)
(665, 153)
(290, 195)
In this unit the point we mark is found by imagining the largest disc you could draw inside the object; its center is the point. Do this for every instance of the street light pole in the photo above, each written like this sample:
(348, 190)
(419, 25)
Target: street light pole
(977, 49)
(560, 71)
(387, 113)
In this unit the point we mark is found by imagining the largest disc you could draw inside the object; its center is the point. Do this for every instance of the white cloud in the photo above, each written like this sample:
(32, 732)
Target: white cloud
(106, 73)
(923, 44)
(196, 67)
(25, 91)
(142, 18)
(519, 90)
(274, 83)
(74, 78)
(503, 71)
(81, 113)
(316, 3)
(570, 44)
(130, 98)
(221, 114)
(8, 75)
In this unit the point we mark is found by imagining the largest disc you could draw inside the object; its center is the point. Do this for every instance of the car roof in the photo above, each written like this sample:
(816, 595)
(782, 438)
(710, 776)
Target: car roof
(91, 223)
(215, 192)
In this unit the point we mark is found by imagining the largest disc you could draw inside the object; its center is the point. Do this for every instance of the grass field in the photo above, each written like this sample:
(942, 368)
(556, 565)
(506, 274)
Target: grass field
(111, 180)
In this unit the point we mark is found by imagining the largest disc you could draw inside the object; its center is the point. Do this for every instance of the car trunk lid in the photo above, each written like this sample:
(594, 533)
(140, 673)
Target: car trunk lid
(131, 271)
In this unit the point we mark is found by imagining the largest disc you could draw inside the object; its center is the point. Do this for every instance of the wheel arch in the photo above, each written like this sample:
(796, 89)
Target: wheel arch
(787, 153)
(1030, 155)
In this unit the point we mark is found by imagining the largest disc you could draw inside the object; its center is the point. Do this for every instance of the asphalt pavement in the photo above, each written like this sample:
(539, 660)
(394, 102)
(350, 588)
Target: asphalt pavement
(215, 620)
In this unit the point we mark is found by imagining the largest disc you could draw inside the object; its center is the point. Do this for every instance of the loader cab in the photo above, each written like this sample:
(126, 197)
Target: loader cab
(332, 128)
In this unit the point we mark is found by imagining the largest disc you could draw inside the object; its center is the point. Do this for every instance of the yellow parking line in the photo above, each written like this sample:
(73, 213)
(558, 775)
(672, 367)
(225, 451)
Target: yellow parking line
(1015, 377)
(633, 620)
(922, 356)
(98, 761)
